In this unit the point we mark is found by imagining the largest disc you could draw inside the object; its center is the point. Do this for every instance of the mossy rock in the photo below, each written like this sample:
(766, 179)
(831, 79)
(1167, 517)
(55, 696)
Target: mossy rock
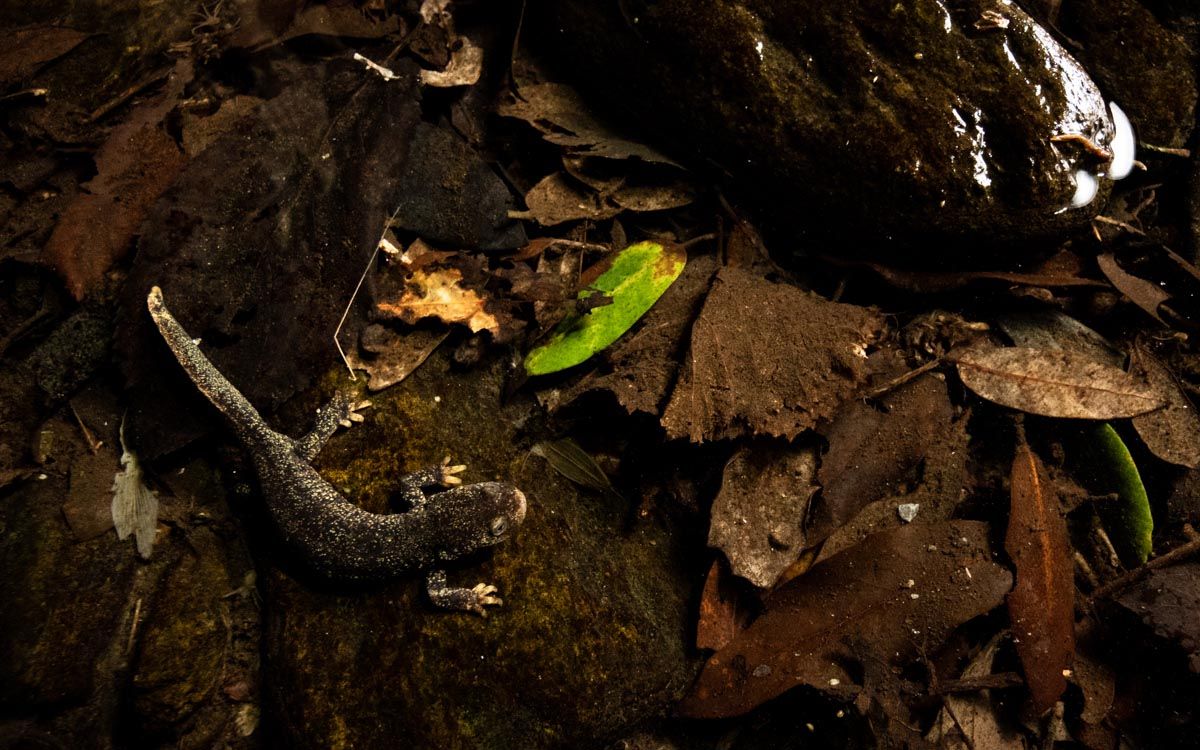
(592, 637)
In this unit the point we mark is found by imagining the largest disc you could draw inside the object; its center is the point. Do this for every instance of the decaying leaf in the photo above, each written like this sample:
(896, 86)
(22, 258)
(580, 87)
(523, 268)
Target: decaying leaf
(767, 358)
(134, 505)
(439, 293)
(638, 276)
(722, 613)
(872, 451)
(1054, 329)
(466, 63)
(569, 459)
(900, 593)
(27, 49)
(133, 168)
(1145, 294)
(1054, 383)
(758, 516)
(394, 355)
(563, 118)
(1042, 604)
(1168, 600)
(1110, 467)
(970, 721)
(1173, 433)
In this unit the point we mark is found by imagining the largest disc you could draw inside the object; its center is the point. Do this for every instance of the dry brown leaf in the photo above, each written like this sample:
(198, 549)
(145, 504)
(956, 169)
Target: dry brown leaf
(557, 198)
(758, 516)
(395, 355)
(560, 114)
(438, 293)
(767, 358)
(1173, 433)
(1042, 604)
(27, 49)
(1145, 294)
(133, 167)
(1054, 383)
(900, 593)
(872, 451)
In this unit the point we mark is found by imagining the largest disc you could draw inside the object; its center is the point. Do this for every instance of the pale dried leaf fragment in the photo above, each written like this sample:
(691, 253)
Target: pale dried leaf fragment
(466, 63)
(438, 293)
(1173, 433)
(758, 516)
(134, 505)
(1054, 383)
(1042, 604)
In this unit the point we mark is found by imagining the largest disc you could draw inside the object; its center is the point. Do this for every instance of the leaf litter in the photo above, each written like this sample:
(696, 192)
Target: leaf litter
(906, 588)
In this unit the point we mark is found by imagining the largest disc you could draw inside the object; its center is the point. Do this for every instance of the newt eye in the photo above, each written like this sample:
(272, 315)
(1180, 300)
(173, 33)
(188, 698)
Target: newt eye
(499, 525)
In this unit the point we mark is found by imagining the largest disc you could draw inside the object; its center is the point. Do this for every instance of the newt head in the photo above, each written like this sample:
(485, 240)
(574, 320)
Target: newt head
(475, 516)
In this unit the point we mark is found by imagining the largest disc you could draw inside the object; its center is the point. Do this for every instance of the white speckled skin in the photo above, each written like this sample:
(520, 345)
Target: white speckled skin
(339, 539)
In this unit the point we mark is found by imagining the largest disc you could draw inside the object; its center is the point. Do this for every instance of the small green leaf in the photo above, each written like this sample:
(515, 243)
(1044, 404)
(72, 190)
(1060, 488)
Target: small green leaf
(1128, 521)
(638, 276)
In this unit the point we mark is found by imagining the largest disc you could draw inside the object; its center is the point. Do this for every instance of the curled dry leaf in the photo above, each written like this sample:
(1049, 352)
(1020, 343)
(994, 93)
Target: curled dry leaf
(1042, 604)
(466, 63)
(1054, 383)
(901, 593)
(1173, 433)
(134, 505)
(1145, 294)
(438, 293)
(758, 516)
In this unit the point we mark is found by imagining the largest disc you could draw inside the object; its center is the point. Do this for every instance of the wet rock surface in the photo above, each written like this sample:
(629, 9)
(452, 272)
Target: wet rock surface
(590, 640)
(892, 122)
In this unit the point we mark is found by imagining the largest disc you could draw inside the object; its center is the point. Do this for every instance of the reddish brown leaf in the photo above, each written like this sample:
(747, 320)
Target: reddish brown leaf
(1173, 433)
(1042, 604)
(898, 593)
(1054, 383)
(133, 167)
(722, 615)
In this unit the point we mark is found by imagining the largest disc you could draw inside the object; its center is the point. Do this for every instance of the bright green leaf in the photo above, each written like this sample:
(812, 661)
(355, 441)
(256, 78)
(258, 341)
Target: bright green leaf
(638, 276)
(1128, 520)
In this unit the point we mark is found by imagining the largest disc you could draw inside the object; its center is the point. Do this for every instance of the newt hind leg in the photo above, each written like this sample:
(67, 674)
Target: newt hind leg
(339, 412)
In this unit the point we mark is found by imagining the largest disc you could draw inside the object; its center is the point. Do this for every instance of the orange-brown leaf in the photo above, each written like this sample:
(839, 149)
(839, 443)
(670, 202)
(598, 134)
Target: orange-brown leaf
(1042, 604)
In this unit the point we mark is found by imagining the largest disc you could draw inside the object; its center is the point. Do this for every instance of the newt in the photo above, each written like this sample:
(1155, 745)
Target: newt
(338, 539)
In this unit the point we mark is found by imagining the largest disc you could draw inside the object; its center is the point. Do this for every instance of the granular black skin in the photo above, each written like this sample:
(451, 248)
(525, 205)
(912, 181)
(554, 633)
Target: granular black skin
(340, 540)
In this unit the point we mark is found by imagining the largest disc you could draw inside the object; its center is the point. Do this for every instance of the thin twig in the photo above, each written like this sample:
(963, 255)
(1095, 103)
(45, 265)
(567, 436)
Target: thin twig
(895, 383)
(152, 80)
(1178, 554)
(345, 313)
